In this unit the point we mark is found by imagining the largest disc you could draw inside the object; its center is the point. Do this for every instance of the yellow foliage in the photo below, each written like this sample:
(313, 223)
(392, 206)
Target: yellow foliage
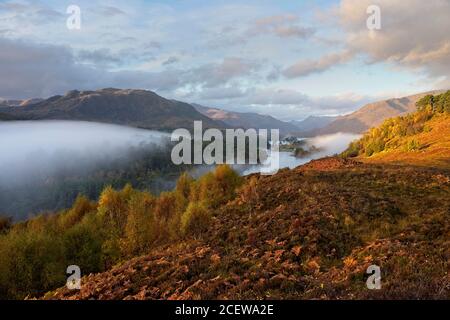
(195, 219)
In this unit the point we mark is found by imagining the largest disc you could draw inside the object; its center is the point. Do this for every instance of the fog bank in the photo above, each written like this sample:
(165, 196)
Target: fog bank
(33, 149)
(328, 144)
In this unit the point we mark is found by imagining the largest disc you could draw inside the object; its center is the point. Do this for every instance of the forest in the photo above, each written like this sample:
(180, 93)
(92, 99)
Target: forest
(146, 166)
(97, 235)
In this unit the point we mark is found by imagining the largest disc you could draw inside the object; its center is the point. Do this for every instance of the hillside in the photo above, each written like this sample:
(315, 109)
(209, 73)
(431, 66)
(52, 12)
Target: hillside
(372, 115)
(307, 233)
(18, 102)
(421, 138)
(247, 120)
(313, 123)
(137, 108)
(6, 117)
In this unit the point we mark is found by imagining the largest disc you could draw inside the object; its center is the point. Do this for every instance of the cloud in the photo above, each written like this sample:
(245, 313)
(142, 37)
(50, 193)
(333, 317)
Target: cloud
(99, 57)
(274, 96)
(30, 12)
(221, 93)
(285, 25)
(306, 67)
(170, 60)
(414, 34)
(109, 11)
(35, 70)
(284, 104)
(214, 74)
(14, 7)
(258, 26)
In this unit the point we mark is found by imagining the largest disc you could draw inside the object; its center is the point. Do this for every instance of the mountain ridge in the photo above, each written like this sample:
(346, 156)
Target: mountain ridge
(246, 120)
(421, 138)
(373, 114)
(313, 123)
(137, 108)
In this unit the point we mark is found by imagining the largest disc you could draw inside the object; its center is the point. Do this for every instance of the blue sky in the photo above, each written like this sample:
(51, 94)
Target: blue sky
(289, 59)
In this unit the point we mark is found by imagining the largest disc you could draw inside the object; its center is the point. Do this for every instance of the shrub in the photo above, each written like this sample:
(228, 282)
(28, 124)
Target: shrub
(82, 247)
(165, 206)
(140, 230)
(5, 224)
(113, 206)
(218, 187)
(80, 208)
(413, 145)
(353, 150)
(249, 192)
(195, 219)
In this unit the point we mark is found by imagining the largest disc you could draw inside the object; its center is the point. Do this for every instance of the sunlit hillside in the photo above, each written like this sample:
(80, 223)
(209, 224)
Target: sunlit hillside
(421, 138)
(307, 233)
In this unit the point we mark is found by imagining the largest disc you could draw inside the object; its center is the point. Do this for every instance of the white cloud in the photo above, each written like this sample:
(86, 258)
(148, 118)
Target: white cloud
(414, 33)
(305, 67)
(283, 25)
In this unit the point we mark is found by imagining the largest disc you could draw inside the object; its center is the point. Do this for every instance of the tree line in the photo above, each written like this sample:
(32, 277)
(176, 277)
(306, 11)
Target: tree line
(95, 235)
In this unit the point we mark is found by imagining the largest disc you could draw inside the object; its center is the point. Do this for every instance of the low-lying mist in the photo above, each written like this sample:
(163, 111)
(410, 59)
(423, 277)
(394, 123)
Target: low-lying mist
(35, 149)
(45, 164)
(332, 143)
(327, 145)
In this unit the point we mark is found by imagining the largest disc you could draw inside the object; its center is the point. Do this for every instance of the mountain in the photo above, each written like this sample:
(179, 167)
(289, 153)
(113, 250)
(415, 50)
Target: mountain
(247, 120)
(314, 231)
(9, 102)
(307, 233)
(372, 115)
(313, 122)
(137, 108)
(19, 102)
(6, 117)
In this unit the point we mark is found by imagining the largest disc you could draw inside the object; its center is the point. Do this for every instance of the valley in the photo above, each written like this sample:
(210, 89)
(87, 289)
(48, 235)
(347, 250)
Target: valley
(315, 226)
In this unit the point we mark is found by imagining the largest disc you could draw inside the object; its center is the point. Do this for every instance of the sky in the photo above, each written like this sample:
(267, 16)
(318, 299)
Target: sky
(289, 59)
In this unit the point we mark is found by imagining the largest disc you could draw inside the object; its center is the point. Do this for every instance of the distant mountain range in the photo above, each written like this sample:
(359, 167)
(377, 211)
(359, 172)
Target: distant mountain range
(4, 116)
(247, 120)
(146, 109)
(18, 102)
(313, 123)
(371, 115)
(137, 108)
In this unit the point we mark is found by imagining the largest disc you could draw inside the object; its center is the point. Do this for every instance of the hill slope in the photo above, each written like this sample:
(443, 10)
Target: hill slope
(6, 117)
(373, 114)
(138, 108)
(17, 103)
(421, 138)
(247, 120)
(313, 122)
(305, 233)
(433, 147)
